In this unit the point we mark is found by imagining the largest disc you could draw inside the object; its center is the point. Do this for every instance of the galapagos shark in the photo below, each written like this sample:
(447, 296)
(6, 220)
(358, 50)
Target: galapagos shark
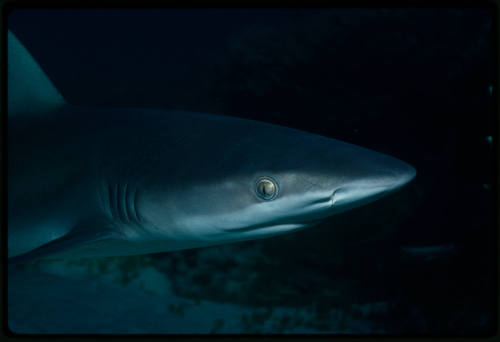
(86, 182)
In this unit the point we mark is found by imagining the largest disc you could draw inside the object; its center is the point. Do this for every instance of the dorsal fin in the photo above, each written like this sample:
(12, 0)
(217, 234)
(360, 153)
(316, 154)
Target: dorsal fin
(29, 90)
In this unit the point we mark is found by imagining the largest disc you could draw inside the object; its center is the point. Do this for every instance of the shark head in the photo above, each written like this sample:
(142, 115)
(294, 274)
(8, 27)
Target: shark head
(259, 180)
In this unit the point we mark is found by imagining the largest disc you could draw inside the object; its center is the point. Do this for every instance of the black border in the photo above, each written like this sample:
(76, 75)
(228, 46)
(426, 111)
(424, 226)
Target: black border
(9, 5)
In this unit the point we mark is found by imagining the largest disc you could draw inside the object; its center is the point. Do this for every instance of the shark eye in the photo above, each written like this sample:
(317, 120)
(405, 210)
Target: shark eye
(266, 188)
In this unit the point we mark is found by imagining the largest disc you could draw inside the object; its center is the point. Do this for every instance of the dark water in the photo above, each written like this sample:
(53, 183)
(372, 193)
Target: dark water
(412, 83)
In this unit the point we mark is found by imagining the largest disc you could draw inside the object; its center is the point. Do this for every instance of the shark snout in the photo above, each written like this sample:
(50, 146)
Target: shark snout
(378, 182)
(398, 174)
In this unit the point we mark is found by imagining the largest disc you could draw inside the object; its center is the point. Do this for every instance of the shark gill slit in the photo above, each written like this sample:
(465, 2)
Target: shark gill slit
(112, 203)
(133, 204)
(124, 205)
(119, 208)
(129, 198)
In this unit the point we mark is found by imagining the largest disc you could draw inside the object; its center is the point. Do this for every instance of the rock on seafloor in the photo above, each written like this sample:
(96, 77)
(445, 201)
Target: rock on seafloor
(40, 303)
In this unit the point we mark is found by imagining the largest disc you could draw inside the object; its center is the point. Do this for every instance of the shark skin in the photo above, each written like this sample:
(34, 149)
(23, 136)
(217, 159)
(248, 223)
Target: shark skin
(113, 182)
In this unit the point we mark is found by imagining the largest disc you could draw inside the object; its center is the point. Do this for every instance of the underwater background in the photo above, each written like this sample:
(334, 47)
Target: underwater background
(416, 84)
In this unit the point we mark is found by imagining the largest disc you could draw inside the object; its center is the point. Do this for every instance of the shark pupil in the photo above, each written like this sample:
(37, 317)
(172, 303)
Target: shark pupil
(267, 188)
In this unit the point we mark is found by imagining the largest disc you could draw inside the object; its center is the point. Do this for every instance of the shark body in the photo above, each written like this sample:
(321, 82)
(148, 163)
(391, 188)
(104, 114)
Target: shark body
(108, 182)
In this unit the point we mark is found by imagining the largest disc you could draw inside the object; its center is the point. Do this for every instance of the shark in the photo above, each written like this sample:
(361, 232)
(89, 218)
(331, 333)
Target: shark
(95, 182)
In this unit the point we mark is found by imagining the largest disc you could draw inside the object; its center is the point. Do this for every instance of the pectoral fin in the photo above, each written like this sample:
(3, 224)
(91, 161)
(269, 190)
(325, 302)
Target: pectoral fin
(85, 240)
